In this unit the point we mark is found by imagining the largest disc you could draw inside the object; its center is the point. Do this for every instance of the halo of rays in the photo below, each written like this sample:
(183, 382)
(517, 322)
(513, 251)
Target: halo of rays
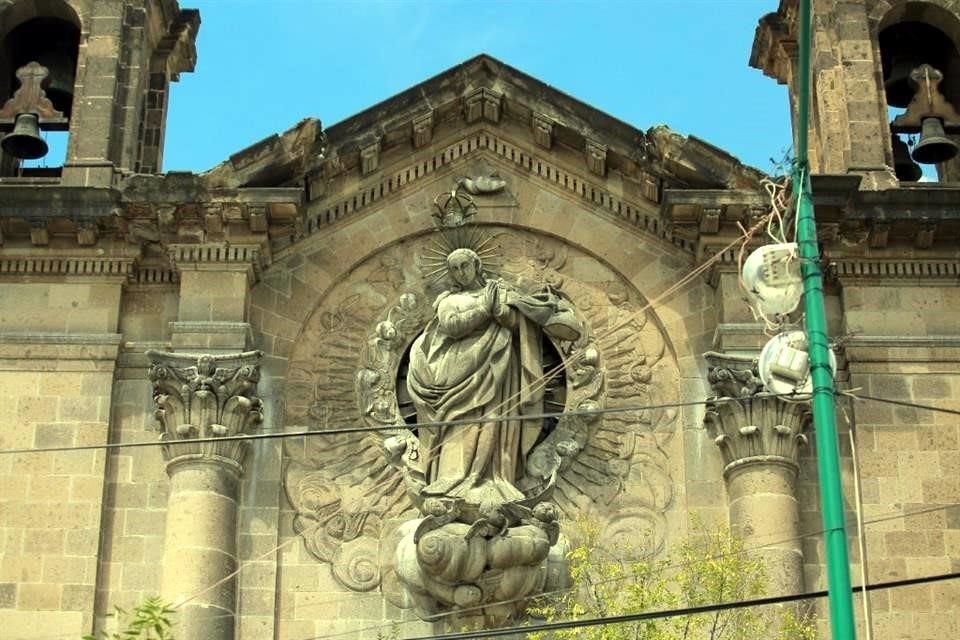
(434, 261)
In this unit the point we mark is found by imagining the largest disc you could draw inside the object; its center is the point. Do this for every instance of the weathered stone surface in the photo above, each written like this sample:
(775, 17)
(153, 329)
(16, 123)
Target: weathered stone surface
(308, 246)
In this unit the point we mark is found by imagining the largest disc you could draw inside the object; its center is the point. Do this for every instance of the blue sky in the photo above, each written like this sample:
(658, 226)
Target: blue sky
(263, 66)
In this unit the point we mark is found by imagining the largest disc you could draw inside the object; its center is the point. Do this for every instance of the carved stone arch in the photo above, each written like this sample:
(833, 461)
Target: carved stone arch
(20, 12)
(938, 13)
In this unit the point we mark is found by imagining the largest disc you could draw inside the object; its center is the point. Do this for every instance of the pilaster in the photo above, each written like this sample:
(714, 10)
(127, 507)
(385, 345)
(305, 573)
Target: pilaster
(759, 436)
(203, 397)
(215, 280)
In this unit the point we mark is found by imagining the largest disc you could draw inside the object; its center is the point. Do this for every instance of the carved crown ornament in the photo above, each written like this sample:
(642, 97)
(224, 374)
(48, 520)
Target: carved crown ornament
(392, 509)
(756, 426)
(204, 396)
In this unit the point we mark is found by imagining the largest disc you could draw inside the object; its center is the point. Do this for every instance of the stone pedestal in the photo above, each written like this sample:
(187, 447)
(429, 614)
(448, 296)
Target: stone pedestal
(203, 397)
(759, 435)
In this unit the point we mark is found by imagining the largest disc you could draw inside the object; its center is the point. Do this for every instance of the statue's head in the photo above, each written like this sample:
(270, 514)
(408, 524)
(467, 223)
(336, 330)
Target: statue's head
(465, 267)
(386, 330)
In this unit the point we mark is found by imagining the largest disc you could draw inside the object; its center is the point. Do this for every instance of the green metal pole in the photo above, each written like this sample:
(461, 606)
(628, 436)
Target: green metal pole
(828, 450)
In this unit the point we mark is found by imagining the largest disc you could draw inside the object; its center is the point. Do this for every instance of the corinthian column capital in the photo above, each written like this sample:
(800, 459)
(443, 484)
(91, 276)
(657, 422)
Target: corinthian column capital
(204, 396)
(748, 424)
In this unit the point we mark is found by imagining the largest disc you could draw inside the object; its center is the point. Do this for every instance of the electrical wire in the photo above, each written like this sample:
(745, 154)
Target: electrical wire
(378, 429)
(673, 613)
(680, 565)
(459, 422)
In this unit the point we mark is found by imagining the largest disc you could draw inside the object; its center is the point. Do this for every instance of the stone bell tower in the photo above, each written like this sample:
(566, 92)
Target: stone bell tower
(99, 71)
(886, 86)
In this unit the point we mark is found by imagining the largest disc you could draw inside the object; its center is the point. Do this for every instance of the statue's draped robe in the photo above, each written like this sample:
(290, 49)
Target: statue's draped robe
(469, 364)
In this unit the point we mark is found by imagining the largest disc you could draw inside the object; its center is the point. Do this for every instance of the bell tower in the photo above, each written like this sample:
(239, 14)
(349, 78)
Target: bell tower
(98, 72)
(885, 87)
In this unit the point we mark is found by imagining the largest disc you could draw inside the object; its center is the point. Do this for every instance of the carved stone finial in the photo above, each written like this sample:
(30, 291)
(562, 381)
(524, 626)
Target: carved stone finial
(750, 425)
(926, 102)
(31, 98)
(205, 397)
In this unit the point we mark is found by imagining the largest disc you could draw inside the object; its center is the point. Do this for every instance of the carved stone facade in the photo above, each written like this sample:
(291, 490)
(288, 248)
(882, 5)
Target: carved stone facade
(309, 289)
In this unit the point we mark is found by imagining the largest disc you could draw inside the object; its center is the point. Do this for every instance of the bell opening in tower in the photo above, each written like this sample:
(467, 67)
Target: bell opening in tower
(38, 67)
(921, 84)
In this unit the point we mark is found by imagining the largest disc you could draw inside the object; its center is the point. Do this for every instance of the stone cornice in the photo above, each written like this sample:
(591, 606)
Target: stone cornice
(118, 268)
(485, 90)
(774, 43)
(902, 349)
(48, 351)
(250, 259)
(917, 272)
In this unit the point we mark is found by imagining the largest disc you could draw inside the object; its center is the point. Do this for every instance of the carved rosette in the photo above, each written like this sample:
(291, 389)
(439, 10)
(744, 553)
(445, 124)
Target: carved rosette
(757, 427)
(205, 397)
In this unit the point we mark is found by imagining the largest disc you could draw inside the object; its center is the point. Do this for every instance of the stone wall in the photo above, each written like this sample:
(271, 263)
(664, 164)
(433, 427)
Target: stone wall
(58, 348)
(907, 457)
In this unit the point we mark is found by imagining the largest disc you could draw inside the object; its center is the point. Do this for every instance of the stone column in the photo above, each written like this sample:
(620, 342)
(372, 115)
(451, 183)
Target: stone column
(759, 438)
(203, 397)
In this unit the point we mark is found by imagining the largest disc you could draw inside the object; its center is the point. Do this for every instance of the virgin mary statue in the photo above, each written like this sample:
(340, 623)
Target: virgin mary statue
(479, 359)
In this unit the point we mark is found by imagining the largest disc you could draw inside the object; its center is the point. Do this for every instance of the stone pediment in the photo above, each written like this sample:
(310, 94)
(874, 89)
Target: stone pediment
(486, 90)
(484, 109)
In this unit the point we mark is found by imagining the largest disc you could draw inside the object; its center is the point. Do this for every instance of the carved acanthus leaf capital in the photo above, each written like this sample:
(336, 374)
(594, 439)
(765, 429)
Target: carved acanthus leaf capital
(761, 429)
(748, 424)
(204, 396)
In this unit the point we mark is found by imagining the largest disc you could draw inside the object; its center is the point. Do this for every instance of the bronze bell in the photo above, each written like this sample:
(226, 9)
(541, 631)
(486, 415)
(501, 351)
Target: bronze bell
(934, 146)
(905, 168)
(24, 141)
(898, 86)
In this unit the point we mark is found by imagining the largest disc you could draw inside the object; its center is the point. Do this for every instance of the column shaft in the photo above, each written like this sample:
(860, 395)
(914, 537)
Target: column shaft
(200, 552)
(765, 513)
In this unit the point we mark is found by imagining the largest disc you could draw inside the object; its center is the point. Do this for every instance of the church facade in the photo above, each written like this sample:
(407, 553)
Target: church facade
(465, 317)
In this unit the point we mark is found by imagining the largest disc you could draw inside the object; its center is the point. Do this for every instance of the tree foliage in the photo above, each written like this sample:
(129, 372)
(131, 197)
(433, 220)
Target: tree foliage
(709, 567)
(150, 620)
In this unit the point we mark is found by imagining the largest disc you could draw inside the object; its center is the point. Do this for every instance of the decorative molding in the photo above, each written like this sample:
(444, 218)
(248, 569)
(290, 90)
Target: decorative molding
(932, 272)
(423, 129)
(370, 157)
(66, 266)
(215, 256)
(147, 275)
(205, 397)
(596, 156)
(48, 351)
(482, 104)
(542, 126)
(538, 167)
(732, 376)
(890, 349)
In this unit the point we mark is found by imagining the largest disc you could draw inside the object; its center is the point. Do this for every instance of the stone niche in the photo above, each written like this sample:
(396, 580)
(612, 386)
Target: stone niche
(350, 500)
